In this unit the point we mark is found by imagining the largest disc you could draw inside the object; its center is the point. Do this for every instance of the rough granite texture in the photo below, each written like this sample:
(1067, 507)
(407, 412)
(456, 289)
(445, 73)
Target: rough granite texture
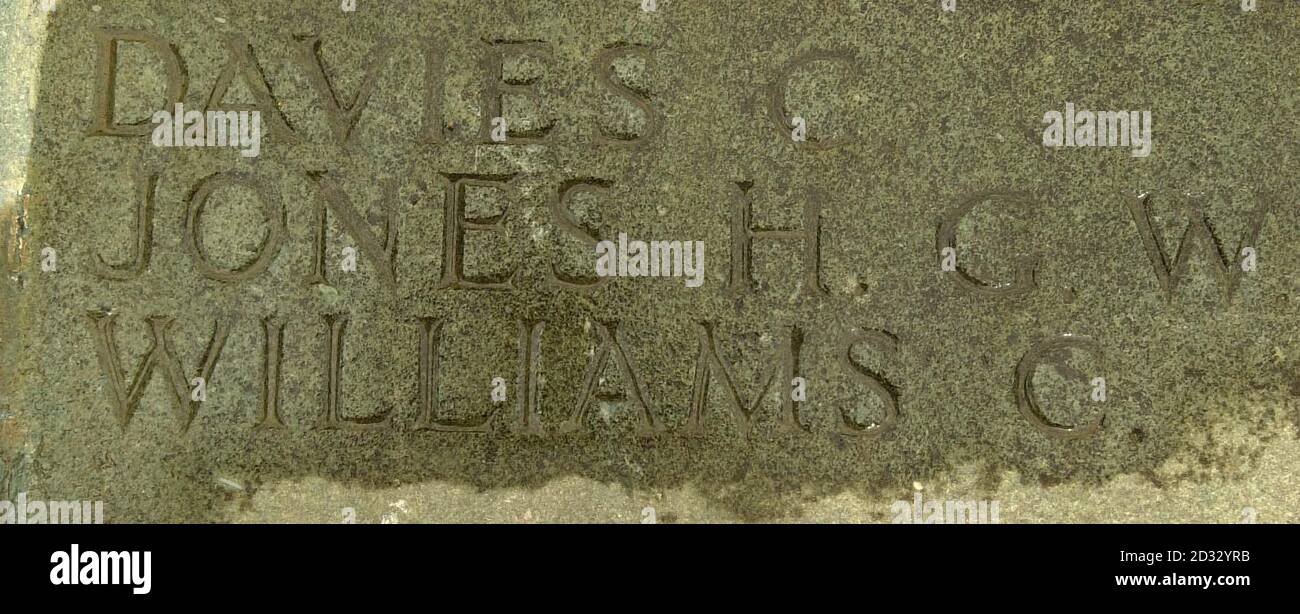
(927, 109)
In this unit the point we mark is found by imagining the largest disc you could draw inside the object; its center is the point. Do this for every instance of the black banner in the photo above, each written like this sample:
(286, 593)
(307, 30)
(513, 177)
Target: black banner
(171, 564)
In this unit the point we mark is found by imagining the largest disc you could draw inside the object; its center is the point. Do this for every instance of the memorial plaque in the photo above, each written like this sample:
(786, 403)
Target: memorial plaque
(650, 261)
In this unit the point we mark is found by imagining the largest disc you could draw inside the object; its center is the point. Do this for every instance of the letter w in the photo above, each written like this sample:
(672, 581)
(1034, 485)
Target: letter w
(125, 399)
(1225, 267)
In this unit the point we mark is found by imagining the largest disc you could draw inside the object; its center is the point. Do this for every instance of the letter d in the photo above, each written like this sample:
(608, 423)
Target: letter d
(104, 121)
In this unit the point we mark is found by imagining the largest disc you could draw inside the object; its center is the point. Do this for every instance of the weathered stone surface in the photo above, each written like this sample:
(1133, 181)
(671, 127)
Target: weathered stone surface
(328, 389)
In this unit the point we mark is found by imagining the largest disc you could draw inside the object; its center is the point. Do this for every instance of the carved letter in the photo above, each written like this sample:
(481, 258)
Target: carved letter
(434, 72)
(743, 235)
(103, 122)
(126, 399)
(243, 64)
(530, 350)
(455, 225)
(271, 374)
(947, 239)
(604, 67)
(384, 254)
(784, 369)
(1025, 386)
(885, 391)
(266, 252)
(334, 381)
(496, 87)
(565, 220)
(1225, 266)
(784, 123)
(342, 117)
(430, 359)
(647, 419)
(142, 249)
